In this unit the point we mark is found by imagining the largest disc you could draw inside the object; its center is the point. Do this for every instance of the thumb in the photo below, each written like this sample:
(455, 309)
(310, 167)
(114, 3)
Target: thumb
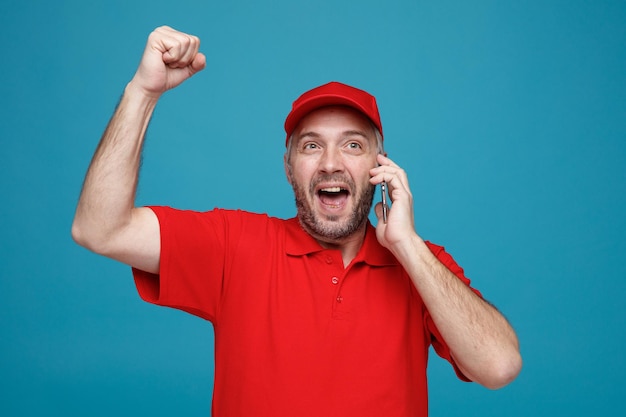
(378, 210)
(198, 63)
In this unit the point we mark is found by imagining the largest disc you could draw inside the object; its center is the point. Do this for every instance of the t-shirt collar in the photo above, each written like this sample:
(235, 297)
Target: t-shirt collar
(299, 242)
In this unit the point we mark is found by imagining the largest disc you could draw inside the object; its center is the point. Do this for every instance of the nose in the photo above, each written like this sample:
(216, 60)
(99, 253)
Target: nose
(331, 161)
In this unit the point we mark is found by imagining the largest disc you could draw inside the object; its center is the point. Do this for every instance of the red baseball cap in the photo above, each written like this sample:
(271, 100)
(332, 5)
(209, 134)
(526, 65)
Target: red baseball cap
(332, 94)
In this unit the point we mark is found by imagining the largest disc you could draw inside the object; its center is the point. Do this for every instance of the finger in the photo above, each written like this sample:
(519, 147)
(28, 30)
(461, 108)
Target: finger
(179, 50)
(387, 173)
(378, 211)
(397, 184)
(190, 46)
(198, 63)
(179, 56)
(165, 41)
(385, 160)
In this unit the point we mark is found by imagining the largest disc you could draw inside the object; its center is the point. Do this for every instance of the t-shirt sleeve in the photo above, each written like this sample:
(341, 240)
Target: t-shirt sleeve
(437, 341)
(191, 269)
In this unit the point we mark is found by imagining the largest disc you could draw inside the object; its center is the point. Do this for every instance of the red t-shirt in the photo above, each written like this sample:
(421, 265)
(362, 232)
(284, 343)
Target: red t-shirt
(296, 333)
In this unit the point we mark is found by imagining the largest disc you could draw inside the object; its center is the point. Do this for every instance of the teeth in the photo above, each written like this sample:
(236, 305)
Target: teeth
(331, 190)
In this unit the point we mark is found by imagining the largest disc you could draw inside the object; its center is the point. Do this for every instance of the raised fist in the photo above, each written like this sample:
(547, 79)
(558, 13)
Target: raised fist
(169, 59)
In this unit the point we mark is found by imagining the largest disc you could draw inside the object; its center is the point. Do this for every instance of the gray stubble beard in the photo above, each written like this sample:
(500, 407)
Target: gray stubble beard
(335, 231)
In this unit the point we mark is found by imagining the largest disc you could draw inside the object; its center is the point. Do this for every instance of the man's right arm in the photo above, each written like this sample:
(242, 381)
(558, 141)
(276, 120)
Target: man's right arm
(106, 220)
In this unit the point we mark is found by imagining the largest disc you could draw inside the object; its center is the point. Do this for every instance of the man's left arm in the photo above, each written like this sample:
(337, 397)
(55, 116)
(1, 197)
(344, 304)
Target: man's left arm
(482, 342)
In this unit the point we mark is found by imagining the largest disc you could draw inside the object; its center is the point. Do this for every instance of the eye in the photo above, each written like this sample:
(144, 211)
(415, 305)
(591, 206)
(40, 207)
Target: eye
(354, 147)
(310, 146)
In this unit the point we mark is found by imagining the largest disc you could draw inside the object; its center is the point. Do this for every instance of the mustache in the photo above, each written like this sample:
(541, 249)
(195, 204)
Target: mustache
(340, 178)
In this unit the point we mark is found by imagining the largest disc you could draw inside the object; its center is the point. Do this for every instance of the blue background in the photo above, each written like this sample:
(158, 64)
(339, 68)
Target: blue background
(510, 118)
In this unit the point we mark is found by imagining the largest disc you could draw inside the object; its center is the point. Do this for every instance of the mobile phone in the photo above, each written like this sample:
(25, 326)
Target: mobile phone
(383, 192)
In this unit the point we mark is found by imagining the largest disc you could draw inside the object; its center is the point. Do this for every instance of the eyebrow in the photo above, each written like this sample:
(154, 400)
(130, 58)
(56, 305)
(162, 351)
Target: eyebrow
(356, 132)
(313, 134)
(308, 135)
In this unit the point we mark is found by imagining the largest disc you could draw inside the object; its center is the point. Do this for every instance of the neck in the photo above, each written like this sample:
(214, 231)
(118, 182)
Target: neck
(349, 245)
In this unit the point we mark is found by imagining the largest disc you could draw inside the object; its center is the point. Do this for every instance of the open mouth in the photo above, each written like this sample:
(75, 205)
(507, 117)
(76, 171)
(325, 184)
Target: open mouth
(333, 197)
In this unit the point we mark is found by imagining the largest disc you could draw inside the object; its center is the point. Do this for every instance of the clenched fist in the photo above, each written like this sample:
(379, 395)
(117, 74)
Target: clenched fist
(169, 59)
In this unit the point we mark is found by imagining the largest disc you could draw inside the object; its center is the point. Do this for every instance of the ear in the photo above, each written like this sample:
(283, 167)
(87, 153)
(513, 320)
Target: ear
(287, 170)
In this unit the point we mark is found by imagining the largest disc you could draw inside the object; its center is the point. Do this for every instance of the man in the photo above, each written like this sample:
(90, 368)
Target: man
(318, 315)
